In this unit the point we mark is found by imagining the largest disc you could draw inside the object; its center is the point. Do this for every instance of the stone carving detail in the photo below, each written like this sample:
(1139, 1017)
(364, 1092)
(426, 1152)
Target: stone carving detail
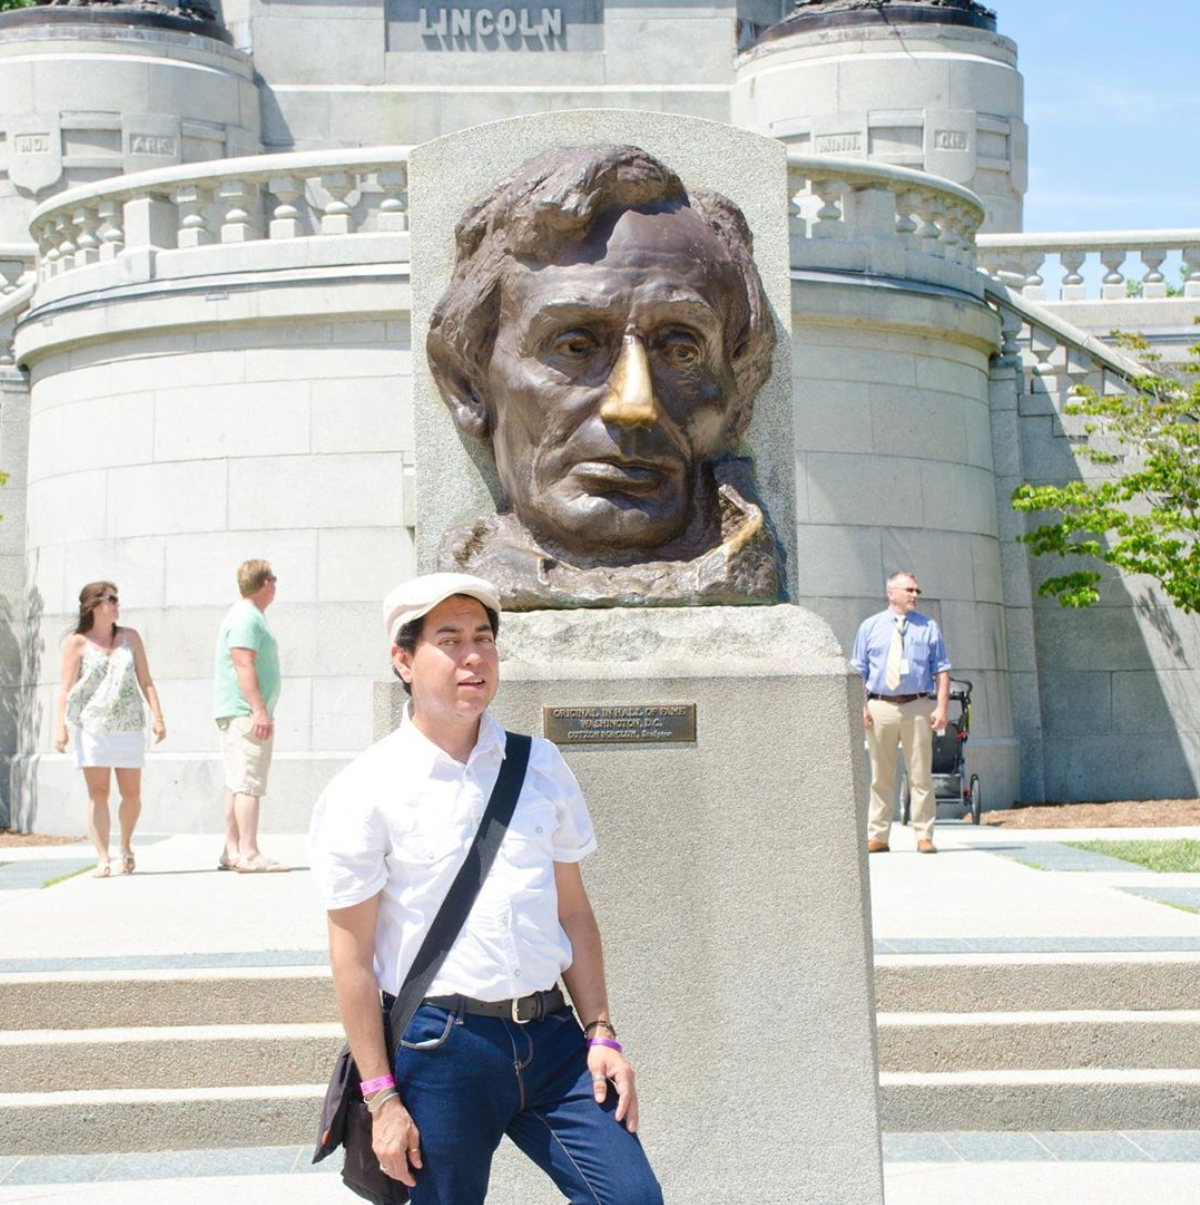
(199, 10)
(605, 333)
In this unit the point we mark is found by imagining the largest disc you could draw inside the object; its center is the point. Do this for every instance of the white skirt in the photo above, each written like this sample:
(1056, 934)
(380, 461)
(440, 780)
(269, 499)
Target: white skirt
(120, 750)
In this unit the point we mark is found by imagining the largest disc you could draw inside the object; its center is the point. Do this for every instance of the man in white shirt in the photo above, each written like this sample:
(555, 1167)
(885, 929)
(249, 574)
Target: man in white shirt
(493, 1050)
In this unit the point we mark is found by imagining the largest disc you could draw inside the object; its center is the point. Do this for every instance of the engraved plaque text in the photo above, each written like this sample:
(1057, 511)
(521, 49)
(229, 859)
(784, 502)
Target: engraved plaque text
(629, 723)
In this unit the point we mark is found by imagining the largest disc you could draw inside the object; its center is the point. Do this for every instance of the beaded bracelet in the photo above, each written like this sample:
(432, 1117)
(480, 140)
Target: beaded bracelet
(382, 1081)
(607, 1042)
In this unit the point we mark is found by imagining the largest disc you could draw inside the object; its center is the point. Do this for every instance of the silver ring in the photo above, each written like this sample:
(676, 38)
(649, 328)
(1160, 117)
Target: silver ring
(599, 1079)
(412, 1150)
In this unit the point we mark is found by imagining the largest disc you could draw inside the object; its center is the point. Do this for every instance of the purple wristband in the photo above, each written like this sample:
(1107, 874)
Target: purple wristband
(373, 1085)
(607, 1042)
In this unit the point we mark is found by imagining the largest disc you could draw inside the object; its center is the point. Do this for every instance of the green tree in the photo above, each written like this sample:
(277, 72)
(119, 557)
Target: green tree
(7, 4)
(1141, 514)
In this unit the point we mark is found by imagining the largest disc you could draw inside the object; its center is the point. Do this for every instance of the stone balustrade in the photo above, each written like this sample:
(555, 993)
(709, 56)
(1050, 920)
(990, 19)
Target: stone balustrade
(228, 202)
(848, 216)
(1019, 261)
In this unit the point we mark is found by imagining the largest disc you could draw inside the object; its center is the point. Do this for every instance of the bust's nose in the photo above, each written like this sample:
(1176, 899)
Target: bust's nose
(630, 401)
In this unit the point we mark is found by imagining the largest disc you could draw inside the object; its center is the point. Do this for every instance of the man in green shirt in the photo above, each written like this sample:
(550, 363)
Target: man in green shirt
(246, 689)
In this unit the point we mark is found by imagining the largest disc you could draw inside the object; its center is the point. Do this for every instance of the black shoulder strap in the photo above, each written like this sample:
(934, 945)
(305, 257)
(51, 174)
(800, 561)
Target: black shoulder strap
(460, 898)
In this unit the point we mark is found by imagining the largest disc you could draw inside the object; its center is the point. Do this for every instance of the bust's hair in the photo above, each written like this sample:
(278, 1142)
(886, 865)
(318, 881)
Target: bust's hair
(553, 200)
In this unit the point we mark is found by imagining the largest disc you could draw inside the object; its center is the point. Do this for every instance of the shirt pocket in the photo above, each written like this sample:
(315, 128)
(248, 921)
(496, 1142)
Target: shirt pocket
(530, 833)
(428, 849)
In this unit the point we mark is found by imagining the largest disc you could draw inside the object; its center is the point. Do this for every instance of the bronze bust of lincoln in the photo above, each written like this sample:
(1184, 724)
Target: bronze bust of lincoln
(606, 331)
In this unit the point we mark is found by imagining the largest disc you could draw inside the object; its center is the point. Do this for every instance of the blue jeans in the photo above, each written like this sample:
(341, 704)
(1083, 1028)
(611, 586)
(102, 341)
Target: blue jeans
(469, 1080)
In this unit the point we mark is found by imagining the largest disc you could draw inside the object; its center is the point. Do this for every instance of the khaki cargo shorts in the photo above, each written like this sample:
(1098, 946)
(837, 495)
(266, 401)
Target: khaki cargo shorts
(247, 759)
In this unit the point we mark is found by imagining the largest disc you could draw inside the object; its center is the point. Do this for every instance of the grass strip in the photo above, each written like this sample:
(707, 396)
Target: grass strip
(62, 878)
(1179, 856)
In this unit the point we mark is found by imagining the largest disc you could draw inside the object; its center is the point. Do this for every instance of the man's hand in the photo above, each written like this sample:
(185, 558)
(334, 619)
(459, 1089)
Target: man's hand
(867, 721)
(606, 1064)
(937, 721)
(396, 1142)
(62, 739)
(261, 725)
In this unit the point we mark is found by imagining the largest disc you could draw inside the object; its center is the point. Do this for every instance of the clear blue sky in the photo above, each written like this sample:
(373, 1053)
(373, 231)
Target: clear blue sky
(1112, 98)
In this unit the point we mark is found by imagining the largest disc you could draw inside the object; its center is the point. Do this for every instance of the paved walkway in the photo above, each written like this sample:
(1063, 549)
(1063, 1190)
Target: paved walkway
(988, 891)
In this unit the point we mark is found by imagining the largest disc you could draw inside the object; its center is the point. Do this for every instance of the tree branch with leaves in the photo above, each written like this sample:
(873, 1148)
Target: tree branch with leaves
(1141, 514)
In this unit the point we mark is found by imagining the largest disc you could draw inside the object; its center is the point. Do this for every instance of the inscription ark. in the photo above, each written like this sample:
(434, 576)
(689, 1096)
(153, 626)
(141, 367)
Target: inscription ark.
(637, 723)
(32, 144)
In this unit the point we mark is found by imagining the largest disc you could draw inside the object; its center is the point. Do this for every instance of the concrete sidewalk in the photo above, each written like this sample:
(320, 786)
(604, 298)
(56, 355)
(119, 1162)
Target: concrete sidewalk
(980, 897)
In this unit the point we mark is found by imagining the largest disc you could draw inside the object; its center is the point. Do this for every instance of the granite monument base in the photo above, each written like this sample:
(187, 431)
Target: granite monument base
(730, 885)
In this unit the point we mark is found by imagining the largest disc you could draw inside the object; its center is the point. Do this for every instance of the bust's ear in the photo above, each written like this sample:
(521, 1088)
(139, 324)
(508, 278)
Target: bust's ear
(468, 408)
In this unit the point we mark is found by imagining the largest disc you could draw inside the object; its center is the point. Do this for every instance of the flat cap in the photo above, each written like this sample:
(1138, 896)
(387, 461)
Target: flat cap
(419, 595)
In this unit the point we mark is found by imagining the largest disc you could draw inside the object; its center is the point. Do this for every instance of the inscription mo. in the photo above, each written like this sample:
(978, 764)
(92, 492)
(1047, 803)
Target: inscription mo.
(153, 144)
(487, 22)
(838, 144)
(32, 144)
(952, 140)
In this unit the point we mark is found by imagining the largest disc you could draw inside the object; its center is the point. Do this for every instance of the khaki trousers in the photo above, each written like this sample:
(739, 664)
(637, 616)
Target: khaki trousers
(906, 725)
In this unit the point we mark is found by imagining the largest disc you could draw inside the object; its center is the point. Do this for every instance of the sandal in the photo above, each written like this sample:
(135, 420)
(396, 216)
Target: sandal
(128, 863)
(260, 865)
(223, 862)
(102, 871)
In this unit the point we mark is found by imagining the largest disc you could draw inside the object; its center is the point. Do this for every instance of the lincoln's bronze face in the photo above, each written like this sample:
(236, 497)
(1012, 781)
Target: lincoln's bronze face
(609, 383)
(606, 332)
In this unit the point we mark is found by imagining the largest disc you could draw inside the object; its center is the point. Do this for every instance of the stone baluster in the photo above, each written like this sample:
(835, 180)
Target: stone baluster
(1043, 345)
(949, 238)
(64, 235)
(1010, 331)
(829, 222)
(1154, 284)
(907, 203)
(240, 199)
(931, 211)
(87, 242)
(1113, 288)
(393, 209)
(1072, 288)
(1031, 267)
(966, 237)
(191, 202)
(1191, 271)
(47, 252)
(112, 233)
(336, 217)
(11, 271)
(286, 221)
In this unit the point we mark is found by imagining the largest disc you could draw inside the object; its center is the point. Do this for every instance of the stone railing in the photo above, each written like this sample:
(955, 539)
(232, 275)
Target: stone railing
(230, 202)
(1019, 261)
(848, 216)
(17, 262)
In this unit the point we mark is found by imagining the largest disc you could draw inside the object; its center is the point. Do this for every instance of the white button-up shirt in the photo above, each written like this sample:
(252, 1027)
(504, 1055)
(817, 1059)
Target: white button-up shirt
(398, 821)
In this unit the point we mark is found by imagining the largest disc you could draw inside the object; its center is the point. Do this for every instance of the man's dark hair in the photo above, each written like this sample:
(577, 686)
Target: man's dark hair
(410, 634)
(556, 199)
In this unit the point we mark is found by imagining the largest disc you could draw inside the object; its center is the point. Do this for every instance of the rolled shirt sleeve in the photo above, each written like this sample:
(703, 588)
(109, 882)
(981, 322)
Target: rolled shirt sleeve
(348, 843)
(574, 837)
(939, 663)
(858, 655)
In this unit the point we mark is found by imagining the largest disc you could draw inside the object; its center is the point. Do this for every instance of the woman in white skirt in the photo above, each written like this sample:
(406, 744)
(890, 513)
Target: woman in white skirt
(104, 665)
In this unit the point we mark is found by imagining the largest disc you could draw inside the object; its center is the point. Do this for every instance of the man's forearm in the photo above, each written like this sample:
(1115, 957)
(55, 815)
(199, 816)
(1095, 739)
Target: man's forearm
(362, 1017)
(585, 976)
(943, 690)
(247, 677)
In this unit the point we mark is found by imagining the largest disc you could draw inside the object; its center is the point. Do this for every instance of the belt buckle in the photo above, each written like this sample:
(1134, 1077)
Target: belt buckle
(516, 1010)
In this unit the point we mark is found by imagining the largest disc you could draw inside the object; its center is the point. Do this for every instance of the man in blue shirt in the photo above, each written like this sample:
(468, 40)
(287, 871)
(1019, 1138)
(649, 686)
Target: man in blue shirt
(900, 655)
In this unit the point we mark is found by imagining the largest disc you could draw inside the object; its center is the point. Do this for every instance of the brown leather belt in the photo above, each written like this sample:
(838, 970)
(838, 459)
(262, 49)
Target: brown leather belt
(522, 1009)
(897, 698)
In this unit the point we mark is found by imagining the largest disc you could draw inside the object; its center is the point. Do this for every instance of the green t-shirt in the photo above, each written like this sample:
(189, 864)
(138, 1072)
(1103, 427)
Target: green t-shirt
(245, 627)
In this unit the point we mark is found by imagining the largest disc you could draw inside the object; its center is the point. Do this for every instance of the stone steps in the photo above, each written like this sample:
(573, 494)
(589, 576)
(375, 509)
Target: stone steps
(1099, 1041)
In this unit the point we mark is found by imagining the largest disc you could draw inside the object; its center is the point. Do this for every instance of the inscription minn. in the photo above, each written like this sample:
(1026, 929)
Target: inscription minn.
(951, 140)
(153, 144)
(641, 723)
(486, 22)
(32, 144)
(838, 144)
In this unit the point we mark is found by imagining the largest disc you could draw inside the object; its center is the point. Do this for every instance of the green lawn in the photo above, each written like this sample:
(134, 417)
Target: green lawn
(1167, 857)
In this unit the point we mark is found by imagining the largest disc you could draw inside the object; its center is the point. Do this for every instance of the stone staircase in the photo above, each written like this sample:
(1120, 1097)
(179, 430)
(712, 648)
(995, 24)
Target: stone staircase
(1039, 1041)
(118, 1061)
(167, 1060)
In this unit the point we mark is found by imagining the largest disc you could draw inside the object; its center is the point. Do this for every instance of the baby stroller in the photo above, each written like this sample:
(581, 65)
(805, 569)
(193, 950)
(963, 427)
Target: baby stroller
(950, 783)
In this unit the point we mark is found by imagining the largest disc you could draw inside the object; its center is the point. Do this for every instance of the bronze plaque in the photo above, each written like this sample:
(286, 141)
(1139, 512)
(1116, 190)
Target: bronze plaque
(627, 723)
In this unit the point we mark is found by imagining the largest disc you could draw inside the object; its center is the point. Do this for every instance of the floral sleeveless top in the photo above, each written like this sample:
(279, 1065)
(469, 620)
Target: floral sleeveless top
(106, 697)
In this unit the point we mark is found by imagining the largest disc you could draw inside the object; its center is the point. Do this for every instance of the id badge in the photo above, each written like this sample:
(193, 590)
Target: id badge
(904, 667)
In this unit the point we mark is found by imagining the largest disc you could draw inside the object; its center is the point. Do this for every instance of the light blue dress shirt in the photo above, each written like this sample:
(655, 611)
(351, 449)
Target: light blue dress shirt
(924, 651)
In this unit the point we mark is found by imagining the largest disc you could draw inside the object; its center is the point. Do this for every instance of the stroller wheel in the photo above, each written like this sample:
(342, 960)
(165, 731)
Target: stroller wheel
(905, 799)
(976, 799)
